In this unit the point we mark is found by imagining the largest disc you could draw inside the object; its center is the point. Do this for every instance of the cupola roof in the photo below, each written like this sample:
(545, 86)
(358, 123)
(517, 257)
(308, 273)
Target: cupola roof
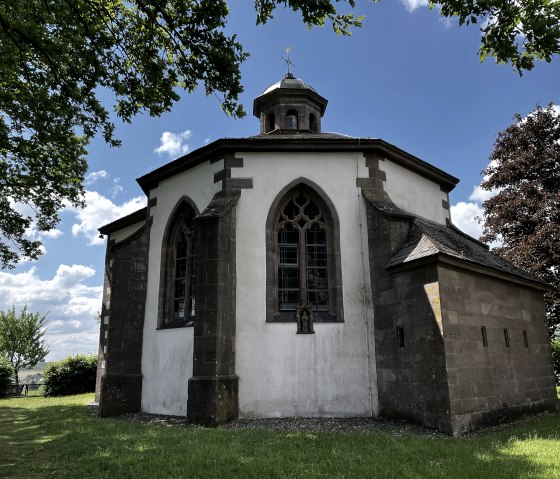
(289, 105)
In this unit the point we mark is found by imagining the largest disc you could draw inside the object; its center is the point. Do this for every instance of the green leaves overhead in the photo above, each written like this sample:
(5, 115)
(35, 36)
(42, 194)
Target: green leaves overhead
(519, 32)
(57, 55)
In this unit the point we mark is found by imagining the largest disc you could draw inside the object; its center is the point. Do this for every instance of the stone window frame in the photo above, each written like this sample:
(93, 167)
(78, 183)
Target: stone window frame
(323, 202)
(185, 208)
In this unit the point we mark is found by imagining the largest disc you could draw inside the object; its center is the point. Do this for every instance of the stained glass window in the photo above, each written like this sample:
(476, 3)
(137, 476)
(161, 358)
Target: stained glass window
(180, 274)
(302, 255)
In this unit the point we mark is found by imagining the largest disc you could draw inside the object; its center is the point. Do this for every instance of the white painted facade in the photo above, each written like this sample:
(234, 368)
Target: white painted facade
(414, 193)
(167, 353)
(281, 373)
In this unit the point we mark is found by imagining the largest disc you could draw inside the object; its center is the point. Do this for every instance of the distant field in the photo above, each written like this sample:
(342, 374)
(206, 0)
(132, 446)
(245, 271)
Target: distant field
(60, 438)
(25, 373)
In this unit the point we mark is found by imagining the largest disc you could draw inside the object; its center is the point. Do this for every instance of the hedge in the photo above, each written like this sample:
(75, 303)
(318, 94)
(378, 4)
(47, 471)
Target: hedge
(6, 374)
(71, 375)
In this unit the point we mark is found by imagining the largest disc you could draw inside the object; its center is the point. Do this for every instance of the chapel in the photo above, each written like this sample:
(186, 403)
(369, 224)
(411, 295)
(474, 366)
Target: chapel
(304, 273)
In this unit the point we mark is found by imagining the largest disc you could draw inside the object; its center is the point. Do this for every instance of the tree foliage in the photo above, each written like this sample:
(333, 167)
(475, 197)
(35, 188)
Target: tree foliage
(556, 357)
(71, 375)
(21, 339)
(57, 55)
(513, 31)
(6, 373)
(524, 215)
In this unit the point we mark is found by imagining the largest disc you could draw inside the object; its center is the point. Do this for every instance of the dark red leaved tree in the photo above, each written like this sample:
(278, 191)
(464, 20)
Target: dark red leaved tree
(524, 215)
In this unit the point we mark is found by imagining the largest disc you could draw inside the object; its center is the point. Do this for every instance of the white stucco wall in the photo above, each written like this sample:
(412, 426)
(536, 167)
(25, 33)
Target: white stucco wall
(167, 354)
(282, 373)
(330, 373)
(414, 193)
(124, 233)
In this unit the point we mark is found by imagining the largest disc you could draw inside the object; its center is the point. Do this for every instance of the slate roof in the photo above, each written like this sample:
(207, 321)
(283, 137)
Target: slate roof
(426, 238)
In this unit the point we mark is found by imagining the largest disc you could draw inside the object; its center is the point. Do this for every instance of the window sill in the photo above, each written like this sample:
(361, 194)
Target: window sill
(290, 317)
(176, 324)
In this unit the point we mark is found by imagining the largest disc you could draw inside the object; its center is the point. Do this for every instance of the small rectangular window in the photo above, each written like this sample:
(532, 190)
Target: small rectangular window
(484, 337)
(400, 336)
(525, 339)
(506, 337)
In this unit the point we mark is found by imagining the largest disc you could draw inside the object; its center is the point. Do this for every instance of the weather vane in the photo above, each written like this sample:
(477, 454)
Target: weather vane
(288, 61)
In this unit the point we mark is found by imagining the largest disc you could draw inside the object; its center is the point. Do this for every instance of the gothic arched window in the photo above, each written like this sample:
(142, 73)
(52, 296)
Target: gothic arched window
(303, 267)
(177, 300)
(302, 255)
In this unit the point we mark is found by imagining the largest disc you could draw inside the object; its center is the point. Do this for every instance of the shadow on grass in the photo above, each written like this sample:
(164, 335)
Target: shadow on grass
(60, 438)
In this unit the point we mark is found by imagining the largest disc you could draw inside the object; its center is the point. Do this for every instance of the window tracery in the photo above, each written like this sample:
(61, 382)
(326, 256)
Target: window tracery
(178, 304)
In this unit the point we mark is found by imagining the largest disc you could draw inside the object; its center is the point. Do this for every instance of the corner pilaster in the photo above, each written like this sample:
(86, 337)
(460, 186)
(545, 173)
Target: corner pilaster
(122, 324)
(213, 388)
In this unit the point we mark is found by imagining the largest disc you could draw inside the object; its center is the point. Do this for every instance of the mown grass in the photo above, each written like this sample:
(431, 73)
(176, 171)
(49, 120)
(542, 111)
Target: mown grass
(59, 438)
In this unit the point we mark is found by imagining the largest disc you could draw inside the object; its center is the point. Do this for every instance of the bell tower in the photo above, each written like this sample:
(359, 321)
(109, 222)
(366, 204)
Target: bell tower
(289, 106)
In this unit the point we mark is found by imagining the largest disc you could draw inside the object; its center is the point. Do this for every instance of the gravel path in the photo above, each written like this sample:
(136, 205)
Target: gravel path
(294, 424)
(326, 424)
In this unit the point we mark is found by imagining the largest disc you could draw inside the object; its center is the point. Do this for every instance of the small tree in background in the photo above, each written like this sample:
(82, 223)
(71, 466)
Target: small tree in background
(524, 215)
(6, 373)
(71, 375)
(21, 339)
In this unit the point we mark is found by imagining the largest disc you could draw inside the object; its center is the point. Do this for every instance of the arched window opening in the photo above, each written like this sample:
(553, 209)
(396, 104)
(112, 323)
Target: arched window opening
(303, 269)
(302, 275)
(292, 120)
(270, 123)
(313, 126)
(178, 305)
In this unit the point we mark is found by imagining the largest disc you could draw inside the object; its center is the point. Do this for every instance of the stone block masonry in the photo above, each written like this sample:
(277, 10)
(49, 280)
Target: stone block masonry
(122, 322)
(213, 389)
(495, 379)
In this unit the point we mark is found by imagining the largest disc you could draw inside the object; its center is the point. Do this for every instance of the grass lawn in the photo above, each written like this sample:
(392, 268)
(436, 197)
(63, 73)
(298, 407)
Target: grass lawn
(59, 438)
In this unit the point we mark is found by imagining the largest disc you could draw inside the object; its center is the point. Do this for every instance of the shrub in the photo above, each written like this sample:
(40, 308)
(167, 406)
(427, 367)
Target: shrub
(71, 375)
(556, 358)
(6, 374)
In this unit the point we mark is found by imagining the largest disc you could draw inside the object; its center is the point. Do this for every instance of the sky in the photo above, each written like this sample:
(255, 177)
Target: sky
(407, 76)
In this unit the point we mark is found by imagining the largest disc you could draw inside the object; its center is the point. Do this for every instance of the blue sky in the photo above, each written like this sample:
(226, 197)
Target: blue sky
(407, 76)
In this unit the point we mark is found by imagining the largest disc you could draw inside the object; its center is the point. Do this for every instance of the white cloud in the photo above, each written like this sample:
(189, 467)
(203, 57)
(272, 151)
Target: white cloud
(465, 214)
(480, 196)
(412, 5)
(99, 211)
(117, 188)
(95, 176)
(71, 305)
(464, 217)
(173, 143)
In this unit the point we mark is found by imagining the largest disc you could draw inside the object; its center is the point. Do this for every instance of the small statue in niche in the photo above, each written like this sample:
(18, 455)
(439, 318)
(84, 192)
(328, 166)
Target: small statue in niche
(304, 316)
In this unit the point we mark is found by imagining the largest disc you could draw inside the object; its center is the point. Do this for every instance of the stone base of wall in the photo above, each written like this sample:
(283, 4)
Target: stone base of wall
(464, 423)
(212, 401)
(120, 394)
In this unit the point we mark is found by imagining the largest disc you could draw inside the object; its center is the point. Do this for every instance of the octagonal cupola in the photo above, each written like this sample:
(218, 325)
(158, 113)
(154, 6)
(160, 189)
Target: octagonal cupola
(289, 106)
